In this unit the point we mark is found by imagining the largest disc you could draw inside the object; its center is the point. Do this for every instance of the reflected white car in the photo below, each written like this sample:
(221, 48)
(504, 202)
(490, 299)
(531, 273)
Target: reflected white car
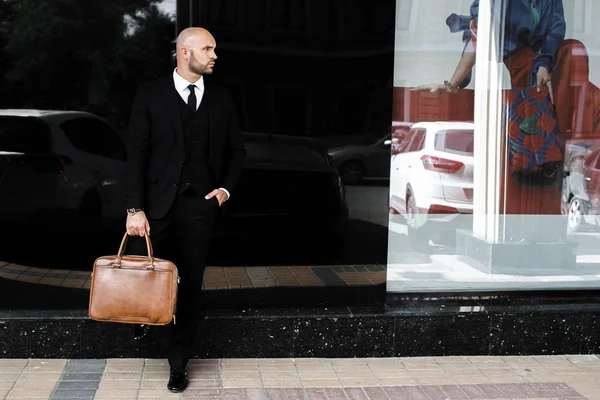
(432, 180)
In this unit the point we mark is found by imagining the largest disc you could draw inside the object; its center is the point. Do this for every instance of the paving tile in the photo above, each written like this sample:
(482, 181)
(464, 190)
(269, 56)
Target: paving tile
(356, 393)
(416, 393)
(452, 360)
(71, 394)
(274, 361)
(359, 382)
(454, 392)
(315, 368)
(12, 362)
(316, 393)
(267, 376)
(232, 394)
(84, 368)
(128, 368)
(6, 384)
(282, 383)
(516, 391)
(157, 361)
(201, 393)
(205, 383)
(470, 379)
(88, 361)
(147, 375)
(321, 383)
(294, 394)
(81, 376)
(490, 391)
(121, 384)
(396, 392)
(435, 380)
(319, 375)
(507, 379)
(116, 393)
(240, 367)
(9, 376)
(125, 361)
(36, 384)
(240, 375)
(276, 368)
(124, 376)
(242, 383)
(151, 384)
(162, 393)
(69, 385)
(12, 369)
(312, 361)
(254, 394)
(397, 381)
(336, 394)
(27, 376)
(433, 391)
(393, 373)
(356, 374)
(427, 373)
(422, 366)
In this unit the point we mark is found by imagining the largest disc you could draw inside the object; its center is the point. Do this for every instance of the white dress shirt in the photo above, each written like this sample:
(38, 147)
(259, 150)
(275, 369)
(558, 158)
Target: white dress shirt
(182, 87)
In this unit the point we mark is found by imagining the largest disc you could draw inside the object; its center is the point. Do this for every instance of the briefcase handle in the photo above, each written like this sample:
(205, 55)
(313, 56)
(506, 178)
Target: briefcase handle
(150, 265)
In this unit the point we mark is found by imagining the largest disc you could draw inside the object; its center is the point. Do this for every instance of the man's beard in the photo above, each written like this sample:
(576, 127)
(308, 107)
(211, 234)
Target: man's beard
(197, 68)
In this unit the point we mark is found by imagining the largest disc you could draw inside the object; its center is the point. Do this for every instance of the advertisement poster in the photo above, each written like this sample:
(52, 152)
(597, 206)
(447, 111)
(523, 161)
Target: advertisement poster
(552, 45)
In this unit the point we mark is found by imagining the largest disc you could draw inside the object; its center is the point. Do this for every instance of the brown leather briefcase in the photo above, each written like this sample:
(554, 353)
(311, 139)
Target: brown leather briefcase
(134, 289)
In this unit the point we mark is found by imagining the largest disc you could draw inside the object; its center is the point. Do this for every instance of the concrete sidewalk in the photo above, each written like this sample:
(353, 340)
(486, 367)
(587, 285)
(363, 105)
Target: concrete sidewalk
(484, 377)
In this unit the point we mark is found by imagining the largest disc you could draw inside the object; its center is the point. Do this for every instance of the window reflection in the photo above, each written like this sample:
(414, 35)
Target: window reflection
(537, 201)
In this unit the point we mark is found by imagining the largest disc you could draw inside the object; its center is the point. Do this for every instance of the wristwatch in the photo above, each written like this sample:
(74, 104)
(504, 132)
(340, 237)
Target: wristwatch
(131, 211)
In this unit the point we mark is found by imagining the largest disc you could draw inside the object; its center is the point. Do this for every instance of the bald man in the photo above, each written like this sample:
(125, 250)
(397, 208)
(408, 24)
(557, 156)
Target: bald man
(185, 155)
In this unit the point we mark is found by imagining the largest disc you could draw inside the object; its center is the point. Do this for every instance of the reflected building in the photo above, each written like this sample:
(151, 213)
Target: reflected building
(302, 67)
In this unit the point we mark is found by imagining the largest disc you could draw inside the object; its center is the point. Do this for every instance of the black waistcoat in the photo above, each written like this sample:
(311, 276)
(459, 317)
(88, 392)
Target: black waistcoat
(196, 172)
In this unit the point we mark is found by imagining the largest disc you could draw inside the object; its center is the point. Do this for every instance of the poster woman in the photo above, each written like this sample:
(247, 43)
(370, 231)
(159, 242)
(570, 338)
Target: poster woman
(535, 54)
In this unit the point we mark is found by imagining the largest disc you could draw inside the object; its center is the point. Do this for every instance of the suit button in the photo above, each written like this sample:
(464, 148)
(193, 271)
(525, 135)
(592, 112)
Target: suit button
(176, 183)
(181, 164)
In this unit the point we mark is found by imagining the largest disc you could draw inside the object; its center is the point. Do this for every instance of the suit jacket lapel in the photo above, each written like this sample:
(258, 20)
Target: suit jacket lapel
(170, 100)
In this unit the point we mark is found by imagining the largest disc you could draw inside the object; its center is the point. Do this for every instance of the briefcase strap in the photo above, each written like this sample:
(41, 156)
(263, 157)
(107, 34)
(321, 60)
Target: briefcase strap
(150, 265)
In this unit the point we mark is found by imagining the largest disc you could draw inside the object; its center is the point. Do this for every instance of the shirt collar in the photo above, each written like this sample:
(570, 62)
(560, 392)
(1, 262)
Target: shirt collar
(181, 83)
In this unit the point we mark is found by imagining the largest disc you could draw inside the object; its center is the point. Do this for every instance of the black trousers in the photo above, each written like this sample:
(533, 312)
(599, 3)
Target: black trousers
(183, 236)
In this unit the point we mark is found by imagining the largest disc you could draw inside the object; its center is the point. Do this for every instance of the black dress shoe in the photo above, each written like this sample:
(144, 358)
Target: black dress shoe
(140, 331)
(178, 380)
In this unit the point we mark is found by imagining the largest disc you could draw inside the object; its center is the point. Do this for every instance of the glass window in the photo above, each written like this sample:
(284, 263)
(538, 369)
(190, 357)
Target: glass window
(525, 219)
(455, 142)
(94, 136)
(24, 135)
(418, 140)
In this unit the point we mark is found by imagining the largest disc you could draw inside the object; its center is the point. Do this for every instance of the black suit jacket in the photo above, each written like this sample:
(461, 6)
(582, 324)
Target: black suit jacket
(155, 145)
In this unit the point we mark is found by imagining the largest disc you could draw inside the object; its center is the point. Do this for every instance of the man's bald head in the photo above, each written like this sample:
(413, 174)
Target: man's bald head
(195, 53)
(189, 36)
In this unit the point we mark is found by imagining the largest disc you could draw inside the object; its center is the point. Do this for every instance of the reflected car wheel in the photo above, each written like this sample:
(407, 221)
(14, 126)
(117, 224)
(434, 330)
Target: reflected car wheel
(416, 237)
(575, 215)
(352, 172)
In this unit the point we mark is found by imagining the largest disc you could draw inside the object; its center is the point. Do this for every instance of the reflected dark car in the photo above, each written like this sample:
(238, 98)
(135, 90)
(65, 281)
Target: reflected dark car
(64, 166)
(58, 166)
(288, 190)
(370, 159)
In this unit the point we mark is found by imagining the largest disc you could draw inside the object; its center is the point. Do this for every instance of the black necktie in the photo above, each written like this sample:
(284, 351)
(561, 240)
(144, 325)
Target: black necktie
(192, 97)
